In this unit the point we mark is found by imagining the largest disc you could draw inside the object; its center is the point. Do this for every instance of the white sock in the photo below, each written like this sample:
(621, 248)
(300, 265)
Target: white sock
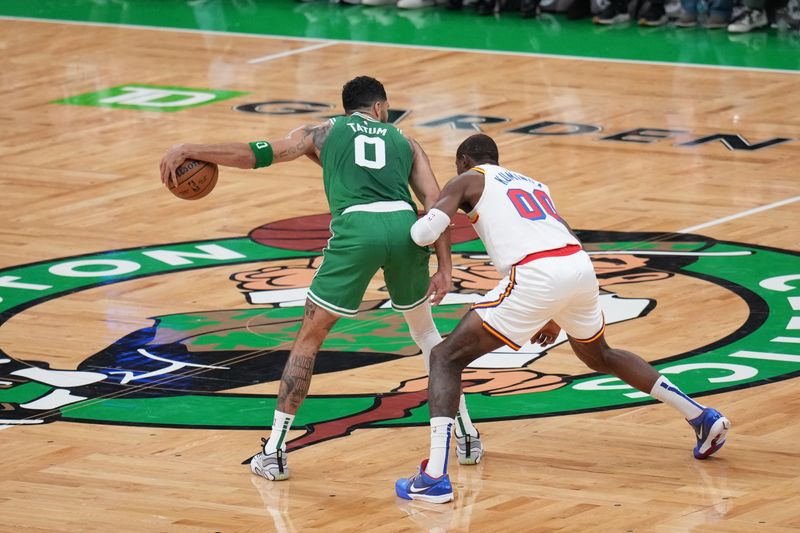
(665, 391)
(463, 421)
(423, 330)
(281, 424)
(441, 426)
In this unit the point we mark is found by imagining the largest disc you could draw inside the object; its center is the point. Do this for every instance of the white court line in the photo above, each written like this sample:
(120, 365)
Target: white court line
(654, 252)
(767, 356)
(740, 215)
(412, 46)
(288, 53)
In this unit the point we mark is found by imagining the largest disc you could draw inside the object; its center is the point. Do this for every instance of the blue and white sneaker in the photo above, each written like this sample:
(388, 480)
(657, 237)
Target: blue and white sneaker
(423, 487)
(711, 428)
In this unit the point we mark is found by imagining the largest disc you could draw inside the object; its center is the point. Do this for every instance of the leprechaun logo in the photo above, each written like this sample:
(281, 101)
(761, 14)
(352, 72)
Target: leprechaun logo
(204, 368)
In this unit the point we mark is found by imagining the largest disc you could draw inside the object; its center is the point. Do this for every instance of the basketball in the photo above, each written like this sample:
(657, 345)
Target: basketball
(195, 179)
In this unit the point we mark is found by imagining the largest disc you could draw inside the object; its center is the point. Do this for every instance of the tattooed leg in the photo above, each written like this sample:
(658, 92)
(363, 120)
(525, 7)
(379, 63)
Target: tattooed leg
(297, 373)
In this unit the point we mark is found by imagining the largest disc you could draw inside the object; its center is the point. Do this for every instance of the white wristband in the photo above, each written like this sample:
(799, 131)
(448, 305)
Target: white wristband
(426, 230)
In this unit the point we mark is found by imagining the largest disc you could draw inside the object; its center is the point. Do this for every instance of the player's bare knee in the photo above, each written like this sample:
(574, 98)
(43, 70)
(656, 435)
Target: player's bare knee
(592, 355)
(448, 355)
(440, 355)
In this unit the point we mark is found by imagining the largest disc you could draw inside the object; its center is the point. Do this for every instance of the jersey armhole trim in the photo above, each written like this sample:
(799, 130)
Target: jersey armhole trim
(474, 215)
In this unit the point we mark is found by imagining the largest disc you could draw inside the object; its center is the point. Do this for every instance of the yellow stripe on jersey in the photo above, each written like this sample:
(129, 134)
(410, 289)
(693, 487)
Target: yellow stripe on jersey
(593, 337)
(505, 340)
(509, 287)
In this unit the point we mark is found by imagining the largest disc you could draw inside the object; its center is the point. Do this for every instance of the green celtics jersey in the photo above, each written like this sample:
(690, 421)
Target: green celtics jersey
(365, 161)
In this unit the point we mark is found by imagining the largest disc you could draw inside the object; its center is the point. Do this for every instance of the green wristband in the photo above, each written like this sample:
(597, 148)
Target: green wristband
(263, 153)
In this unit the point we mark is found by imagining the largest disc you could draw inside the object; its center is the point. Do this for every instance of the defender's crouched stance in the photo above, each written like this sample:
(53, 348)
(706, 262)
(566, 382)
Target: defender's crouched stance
(550, 284)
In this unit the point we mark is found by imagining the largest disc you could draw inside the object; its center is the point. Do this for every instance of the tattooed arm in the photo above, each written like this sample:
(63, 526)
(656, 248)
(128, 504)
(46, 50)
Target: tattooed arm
(305, 140)
(318, 134)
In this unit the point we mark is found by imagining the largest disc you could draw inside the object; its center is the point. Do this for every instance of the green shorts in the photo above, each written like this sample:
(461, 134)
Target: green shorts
(363, 242)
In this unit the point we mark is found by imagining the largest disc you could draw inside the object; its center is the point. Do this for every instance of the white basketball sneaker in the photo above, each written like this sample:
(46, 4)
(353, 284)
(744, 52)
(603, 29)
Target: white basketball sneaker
(270, 465)
(469, 449)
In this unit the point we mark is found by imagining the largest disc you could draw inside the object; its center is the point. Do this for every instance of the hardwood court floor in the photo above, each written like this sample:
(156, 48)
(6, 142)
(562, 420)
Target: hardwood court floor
(80, 180)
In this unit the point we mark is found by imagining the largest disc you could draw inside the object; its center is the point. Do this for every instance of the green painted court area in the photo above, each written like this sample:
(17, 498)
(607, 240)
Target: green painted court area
(549, 34)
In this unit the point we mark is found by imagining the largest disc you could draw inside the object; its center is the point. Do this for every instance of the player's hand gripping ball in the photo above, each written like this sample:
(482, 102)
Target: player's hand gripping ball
(195, 179)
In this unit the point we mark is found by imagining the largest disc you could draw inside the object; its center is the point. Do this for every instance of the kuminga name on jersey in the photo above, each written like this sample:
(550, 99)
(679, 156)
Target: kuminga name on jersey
(515, 217)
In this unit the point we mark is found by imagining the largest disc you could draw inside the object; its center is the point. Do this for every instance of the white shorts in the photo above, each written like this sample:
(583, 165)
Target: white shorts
(563, 289)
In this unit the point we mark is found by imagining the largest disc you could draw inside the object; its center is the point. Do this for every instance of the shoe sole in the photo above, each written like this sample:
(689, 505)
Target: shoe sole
(471, 459)
(608, 22)
(719, 431)
(280, 476)
(746, 30)
(400, 488)
(442, 498)
(652, 23)
(617, 19)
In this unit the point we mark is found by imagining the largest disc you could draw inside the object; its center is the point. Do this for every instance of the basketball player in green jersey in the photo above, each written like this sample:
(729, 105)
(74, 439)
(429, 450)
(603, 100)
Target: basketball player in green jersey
(368, 166)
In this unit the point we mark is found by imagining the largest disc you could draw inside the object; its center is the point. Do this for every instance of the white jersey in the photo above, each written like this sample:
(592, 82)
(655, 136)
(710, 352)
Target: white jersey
(515, 217)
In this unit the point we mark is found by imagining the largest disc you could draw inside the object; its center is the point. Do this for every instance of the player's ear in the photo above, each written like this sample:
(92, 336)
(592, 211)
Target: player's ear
(381, 110)
(460, 163)
(466, 162)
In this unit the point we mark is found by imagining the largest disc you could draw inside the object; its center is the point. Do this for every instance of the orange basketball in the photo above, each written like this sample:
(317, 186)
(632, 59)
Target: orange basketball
(195, 179)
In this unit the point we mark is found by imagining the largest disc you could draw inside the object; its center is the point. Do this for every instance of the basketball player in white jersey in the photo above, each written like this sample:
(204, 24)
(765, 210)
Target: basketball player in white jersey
(549, 284)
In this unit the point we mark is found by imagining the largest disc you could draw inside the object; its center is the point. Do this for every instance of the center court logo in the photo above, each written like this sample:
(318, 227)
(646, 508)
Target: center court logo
(183, 369)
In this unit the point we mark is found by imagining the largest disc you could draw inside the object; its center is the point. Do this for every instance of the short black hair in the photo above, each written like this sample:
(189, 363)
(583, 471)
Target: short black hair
(362, 92)
(481, 148)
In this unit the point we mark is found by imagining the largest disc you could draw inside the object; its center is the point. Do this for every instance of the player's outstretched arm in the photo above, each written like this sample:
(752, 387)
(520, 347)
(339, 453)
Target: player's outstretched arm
(306, 140)
(424, 184)
(237, 155)
(457, 192)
